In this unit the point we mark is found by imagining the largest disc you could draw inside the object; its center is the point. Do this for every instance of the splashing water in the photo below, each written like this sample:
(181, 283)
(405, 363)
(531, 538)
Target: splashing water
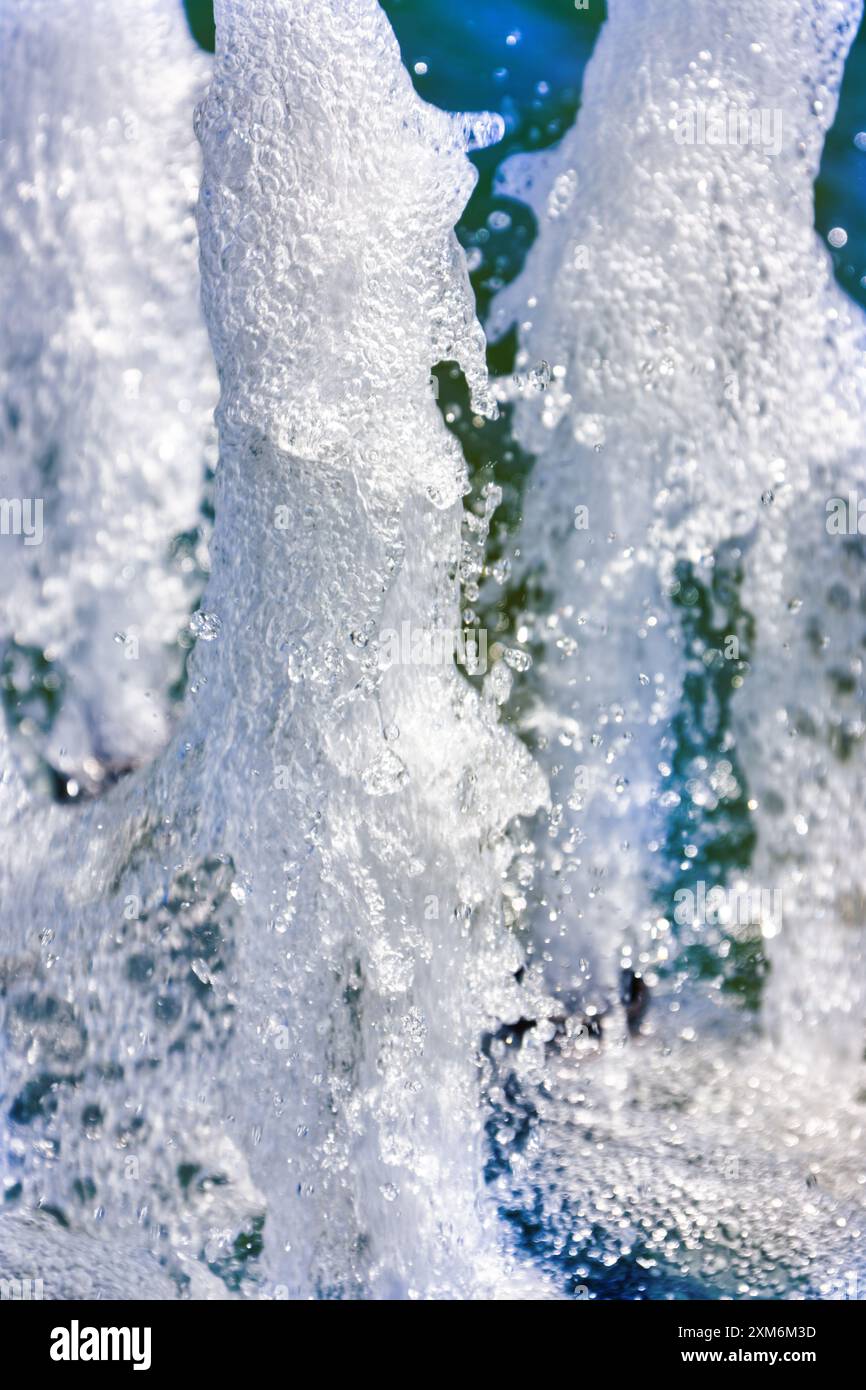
(696, 698)
(107, 381)
(269, 1011)
(253, 1022)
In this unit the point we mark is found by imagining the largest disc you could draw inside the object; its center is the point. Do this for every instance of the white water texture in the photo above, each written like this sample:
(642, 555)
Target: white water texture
(707, 396)
(247, 995)
(106, 377)
(244, 991)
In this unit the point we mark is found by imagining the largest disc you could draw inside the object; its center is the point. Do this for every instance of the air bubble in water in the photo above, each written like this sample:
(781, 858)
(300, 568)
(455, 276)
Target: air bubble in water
(205, 626)
(385, 775)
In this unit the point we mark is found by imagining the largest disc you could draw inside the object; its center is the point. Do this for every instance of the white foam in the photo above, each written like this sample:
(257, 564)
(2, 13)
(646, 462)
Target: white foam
(289, 932)
(706, 388)
(106, 378)
(706, 400)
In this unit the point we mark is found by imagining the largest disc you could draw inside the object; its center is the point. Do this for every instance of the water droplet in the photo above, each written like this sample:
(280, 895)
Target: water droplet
(539, 377)
(205, 626)
(385, 775)
(516, 659)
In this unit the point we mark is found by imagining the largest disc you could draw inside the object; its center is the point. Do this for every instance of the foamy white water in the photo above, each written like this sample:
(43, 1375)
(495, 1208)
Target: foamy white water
(270, 975)
(706, 397)
(107, 380)
(706, 394)
(244, 992)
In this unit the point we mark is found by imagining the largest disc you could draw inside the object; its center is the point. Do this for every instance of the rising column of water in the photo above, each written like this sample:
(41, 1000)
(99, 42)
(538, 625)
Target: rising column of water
(279, 948)
(705, 402)
(705, 390)
(106, 378)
